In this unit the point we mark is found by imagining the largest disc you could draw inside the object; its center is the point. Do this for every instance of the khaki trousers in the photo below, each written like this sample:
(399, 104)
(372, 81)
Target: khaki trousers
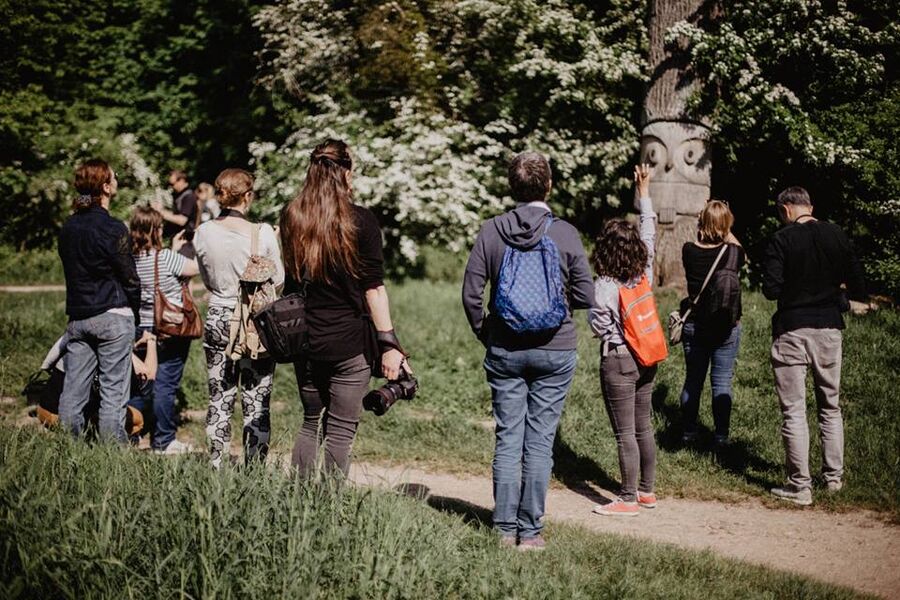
(792, 353)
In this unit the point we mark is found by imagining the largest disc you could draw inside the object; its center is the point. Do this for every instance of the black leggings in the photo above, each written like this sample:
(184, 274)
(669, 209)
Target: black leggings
(331, 393)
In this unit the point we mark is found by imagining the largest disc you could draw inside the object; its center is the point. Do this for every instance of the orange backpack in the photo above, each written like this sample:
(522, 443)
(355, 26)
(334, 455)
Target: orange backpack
(640, 322)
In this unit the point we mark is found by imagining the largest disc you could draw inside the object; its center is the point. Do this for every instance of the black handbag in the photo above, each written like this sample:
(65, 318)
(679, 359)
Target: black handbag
(283, 328)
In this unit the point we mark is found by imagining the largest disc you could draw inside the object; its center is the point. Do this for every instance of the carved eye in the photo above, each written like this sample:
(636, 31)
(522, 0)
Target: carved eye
(654, 152)
(692, 151)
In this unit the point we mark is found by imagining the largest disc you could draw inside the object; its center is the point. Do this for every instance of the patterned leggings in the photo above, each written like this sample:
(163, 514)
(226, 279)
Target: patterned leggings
(225, 375)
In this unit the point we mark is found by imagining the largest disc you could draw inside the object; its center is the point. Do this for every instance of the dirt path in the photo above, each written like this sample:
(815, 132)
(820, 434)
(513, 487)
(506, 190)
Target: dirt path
(856, 549)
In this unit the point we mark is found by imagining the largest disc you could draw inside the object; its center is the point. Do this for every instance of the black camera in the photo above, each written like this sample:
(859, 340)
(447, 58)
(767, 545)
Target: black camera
(380, 400)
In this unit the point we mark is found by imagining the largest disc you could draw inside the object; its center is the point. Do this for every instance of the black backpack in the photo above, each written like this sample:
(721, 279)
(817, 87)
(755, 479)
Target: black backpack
(722, 304)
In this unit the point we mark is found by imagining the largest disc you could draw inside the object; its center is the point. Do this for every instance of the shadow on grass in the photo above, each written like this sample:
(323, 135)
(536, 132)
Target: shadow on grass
(577, 472)
(472, 514)
(737, 457)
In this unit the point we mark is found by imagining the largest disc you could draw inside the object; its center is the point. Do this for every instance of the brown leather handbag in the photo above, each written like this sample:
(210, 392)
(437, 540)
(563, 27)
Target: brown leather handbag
(175, 321)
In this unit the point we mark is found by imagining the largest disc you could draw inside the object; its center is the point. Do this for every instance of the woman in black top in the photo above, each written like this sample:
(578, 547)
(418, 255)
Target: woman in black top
(711, 338)
(336, 247)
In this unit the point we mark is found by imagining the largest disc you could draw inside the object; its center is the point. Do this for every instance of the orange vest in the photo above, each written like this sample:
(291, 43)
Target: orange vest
(640, 322)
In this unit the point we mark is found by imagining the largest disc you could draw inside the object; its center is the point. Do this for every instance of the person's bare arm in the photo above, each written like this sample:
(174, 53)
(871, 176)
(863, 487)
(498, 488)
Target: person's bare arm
(379, 307)
(168, 215)
(190, 267)
(147, 367)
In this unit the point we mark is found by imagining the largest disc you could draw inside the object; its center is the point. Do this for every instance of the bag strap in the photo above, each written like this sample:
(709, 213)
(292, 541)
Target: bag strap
(254, 240)
(156, 273)
(709, 275)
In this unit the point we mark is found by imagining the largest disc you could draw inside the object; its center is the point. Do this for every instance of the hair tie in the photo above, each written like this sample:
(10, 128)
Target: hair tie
(85, 198)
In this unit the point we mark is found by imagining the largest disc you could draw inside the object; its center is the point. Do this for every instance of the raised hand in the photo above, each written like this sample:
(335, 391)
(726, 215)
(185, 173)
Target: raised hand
(642, 179)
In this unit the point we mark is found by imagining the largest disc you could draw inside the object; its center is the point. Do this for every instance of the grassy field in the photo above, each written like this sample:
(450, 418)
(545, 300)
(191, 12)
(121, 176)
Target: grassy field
(447, 426)
(32, 267)
(80, 521)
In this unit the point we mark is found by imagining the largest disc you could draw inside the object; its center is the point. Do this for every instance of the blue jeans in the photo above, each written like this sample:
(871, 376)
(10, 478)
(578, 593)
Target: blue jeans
(100, 344)
(172, 354)
(700, 352)
(528, 390)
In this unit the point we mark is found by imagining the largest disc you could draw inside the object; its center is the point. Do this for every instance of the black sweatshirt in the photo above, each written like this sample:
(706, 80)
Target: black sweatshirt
(806, 264)
(335, 310)
(523, 228)
(96, 255)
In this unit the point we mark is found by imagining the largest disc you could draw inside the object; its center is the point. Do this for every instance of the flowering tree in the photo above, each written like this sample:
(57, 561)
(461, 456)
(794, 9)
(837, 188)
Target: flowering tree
(435, 97)
(801, 92)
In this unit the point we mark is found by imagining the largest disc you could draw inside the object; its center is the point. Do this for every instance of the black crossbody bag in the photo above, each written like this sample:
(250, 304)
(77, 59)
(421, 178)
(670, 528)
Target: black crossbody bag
(283, 328)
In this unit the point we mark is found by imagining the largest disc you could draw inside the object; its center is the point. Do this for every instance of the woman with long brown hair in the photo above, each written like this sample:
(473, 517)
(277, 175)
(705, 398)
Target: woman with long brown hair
(333, 249)
(146, 228)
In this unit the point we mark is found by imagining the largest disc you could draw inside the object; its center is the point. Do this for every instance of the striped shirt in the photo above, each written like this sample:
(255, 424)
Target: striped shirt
(171, 266)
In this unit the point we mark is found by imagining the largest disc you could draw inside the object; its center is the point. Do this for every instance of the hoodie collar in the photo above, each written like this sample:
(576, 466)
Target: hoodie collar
(536, 203)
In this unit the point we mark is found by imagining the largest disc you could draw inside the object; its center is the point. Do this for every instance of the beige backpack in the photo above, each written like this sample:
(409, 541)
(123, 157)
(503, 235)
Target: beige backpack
(257, 292)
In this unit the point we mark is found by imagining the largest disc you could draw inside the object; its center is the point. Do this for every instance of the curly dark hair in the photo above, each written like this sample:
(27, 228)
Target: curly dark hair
(619, 252)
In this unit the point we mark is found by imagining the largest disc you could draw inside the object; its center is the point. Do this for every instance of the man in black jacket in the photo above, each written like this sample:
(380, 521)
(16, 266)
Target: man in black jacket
(808, 262)
(103, 295)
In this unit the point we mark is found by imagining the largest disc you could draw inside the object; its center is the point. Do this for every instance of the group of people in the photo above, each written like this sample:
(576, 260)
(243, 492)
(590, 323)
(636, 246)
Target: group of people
(809, 268)
(116, 277)
(330, 250)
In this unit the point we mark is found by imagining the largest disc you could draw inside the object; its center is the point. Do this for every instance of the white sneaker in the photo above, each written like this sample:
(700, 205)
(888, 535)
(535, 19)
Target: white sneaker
(176, 447)
(802, 497)
(834, 487)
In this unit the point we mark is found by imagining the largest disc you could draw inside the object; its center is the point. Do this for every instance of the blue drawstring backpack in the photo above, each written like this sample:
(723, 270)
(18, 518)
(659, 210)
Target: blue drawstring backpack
(530, 293)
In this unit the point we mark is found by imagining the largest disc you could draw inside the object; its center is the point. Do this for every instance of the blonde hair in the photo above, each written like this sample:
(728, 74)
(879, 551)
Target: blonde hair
(714, 223)
(207, 189)
(231, 185)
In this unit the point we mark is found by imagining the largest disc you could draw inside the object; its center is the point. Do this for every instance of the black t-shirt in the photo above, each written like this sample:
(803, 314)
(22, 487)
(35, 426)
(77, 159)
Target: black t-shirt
(184, 204)
(697, 262)
(335, 310)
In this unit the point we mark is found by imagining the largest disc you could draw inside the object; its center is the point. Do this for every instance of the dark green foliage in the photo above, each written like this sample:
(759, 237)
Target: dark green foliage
(74, 76)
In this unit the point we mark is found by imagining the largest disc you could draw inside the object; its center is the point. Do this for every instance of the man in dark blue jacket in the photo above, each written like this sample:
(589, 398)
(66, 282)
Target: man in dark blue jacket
(102, 299)
(529, 372)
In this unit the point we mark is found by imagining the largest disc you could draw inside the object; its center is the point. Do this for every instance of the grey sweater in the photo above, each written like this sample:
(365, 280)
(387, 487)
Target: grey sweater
(523, 228)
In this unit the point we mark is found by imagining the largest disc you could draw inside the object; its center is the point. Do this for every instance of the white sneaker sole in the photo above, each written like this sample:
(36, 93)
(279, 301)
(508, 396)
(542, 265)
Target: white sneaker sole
(599, 510)
(797, 501)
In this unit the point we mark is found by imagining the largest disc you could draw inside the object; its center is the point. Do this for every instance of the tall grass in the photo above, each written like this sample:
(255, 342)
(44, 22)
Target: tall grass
(447, 425)
(78, 521)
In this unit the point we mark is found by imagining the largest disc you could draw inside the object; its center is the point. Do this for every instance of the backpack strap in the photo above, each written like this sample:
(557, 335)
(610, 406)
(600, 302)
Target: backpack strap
(156, 273)
(709, 275)
(254, 240)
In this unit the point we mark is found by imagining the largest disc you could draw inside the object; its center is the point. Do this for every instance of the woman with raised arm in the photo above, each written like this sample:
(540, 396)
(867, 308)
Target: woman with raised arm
(333, 249)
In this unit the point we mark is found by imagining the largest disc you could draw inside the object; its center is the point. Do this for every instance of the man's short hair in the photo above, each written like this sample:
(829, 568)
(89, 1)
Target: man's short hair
(178, 174)
(529, 177)
(794, 195)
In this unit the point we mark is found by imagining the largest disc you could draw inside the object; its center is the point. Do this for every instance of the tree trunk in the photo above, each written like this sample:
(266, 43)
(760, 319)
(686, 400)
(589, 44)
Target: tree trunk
(673, 141)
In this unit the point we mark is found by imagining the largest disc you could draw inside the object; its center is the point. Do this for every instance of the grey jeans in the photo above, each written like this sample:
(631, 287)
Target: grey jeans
(331, 393)
(627, 389)
(792, 353)
(102, 345)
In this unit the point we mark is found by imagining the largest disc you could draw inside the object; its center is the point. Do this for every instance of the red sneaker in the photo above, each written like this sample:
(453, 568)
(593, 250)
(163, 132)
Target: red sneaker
(646, 500)
(618, 508)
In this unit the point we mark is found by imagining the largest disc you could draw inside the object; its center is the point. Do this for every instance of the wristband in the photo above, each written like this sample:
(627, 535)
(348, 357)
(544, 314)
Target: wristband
(387, 340)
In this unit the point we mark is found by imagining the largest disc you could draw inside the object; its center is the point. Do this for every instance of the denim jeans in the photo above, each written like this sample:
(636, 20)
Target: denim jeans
(528, 390)
(100, 344)
(700, 352)
(172, 354)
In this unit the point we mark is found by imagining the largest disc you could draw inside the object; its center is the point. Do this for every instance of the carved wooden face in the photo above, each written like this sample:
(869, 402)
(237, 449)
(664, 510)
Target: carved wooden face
(679, 156)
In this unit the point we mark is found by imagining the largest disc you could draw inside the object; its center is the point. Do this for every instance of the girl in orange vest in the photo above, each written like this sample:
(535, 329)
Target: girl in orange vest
(626, 321)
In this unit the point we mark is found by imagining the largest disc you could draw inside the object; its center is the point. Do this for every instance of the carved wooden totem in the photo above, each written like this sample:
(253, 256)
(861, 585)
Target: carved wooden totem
(674, 142)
